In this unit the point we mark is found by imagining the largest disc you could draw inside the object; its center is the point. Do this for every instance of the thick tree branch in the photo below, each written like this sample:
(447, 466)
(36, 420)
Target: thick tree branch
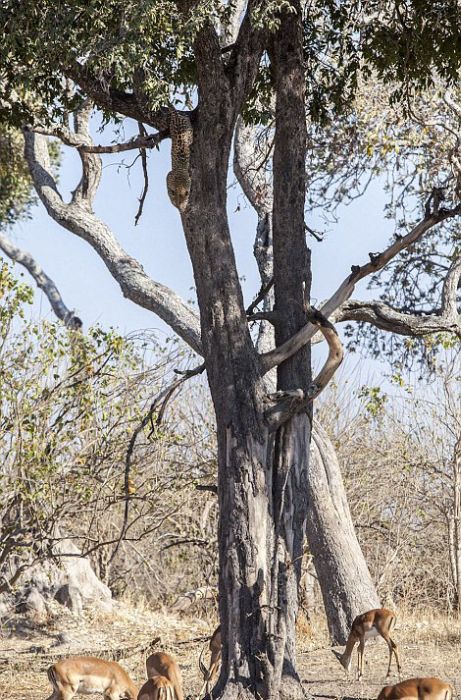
(133, 280)
(210, 67)
(450, 288)
(42, 280)
(335, 355)
(246, 54)
(230, 31)
(85, 191)
(129, 104)
(285, 404)
(378, 313)
(345, 290)
(385, 317)
(137, 142)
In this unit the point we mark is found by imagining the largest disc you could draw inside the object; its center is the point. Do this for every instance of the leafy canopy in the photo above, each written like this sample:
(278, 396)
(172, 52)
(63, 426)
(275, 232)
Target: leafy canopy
(152, 41)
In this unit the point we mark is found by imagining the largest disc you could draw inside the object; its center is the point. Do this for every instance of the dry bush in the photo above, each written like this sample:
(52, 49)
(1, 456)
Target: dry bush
(400, 459)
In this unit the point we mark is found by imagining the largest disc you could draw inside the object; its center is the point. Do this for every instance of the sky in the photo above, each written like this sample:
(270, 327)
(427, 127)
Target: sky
(158, 242)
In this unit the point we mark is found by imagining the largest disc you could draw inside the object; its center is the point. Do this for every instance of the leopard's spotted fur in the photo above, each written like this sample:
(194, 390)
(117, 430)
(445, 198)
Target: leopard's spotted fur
(178, 179)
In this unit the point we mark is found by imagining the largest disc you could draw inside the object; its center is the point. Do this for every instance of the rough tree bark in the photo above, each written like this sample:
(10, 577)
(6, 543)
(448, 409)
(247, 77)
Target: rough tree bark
(346, 585)
(345, 582)
(261, 475)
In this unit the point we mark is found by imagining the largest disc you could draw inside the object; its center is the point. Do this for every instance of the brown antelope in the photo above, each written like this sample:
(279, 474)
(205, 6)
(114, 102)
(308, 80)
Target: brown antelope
(157, 688)
(420, 688)
(161, 665)
(371, 624)
(210, 673)
(88, 675)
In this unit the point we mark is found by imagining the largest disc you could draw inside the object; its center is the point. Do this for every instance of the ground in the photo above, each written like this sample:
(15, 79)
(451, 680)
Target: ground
(429, 646)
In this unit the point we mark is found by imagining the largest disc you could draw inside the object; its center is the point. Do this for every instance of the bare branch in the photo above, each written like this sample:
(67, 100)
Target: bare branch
(247, 150)
(450, 291)
(345, 290)
(129, 104)
(284, 404)
(265, 288)
(142, 133)
(248, 170)
(42, 280)
(140, 142)
(335, 355)
(185, 600)
(157, 409)
(385, 317)
(126, 270)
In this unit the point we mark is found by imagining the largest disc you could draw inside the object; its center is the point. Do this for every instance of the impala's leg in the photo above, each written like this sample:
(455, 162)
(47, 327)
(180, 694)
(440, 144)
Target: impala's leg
(396, 654)
(63, 693)
(210, 677)
(67, 694)
(360, 652)
(202, 689)
(392, 650)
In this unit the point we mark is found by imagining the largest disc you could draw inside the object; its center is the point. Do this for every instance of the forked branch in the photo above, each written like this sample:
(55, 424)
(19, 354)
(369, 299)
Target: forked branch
(345, 290)
(78, 218)
(284, 404)
(445, 319)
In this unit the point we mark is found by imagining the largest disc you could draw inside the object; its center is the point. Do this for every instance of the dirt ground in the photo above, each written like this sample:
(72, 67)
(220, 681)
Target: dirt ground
(428, 647)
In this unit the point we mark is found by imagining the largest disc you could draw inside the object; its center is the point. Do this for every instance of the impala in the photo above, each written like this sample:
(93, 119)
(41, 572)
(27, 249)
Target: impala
(420, 688)
(373, 623)
(161, 665)
(157, 688)
(210, 673)
(88, 675)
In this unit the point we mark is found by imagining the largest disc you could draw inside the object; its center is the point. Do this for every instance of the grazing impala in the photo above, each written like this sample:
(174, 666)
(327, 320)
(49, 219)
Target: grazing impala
(157, 688)
(420, 688)
(88, 675)
(370, 624)
(163, 666)
(210, 673)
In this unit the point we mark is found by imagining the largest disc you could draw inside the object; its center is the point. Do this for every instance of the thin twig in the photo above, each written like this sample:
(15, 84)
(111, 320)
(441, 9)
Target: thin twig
(161, 400)
(142, 133)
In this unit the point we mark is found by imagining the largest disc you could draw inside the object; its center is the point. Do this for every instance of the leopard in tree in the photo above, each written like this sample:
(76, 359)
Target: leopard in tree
(178, 179)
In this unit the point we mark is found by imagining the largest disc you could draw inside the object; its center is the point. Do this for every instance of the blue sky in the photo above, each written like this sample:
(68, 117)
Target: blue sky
(158, 243)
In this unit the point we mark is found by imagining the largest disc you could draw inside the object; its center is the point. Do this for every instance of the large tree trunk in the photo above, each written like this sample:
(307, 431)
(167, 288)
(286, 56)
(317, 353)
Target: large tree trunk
(345, 582)
(262, 474)
(329, 521)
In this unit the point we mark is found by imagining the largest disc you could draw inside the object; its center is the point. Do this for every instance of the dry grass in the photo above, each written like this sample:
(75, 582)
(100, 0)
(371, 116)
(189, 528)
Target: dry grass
(430, 644)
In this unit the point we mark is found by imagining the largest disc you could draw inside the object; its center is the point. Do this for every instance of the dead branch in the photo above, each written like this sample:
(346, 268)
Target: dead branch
(282, 405)
(185, 600)
(275, 357)
(42, 281)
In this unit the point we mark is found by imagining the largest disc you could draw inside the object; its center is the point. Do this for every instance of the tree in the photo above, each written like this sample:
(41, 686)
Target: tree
(124, 59)
(346, 585)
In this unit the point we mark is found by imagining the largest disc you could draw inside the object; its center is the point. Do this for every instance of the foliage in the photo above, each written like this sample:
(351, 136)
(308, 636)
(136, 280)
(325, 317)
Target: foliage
(68, 408)
(15, 185)
(411, 42)
(152, 42)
